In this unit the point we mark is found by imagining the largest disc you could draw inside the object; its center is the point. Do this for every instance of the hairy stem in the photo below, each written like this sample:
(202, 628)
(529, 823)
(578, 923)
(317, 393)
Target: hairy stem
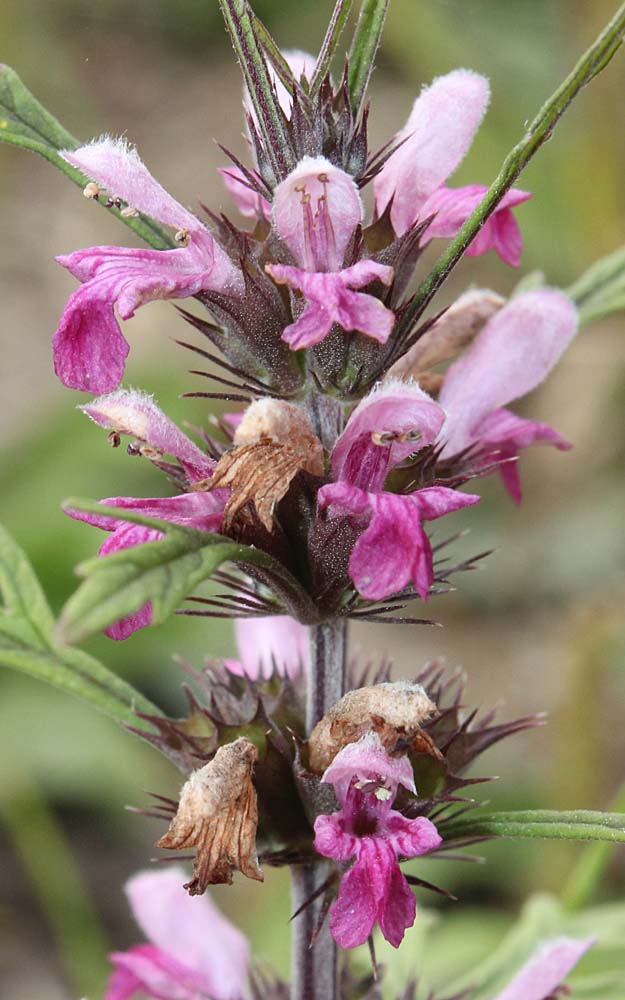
(589, 66)
(314, 970)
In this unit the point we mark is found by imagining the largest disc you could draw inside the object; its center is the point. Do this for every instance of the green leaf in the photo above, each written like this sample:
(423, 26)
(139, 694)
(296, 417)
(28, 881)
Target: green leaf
(547, 824)
(364, 48)
(601, 289)
(27, 644)
(161, 572)
(26, 123)
(22, 595)
(92, 684)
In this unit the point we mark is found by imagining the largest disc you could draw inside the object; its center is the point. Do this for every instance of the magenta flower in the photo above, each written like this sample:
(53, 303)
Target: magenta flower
(89, 347)
(514, 352)
(276, 644)
(316, 210)
(136, 414)
(194, 952)
(434, 141)
(367, 828)
(203, 511)
(541, 975)
(393, 549)
(453, 206)
(131, 412)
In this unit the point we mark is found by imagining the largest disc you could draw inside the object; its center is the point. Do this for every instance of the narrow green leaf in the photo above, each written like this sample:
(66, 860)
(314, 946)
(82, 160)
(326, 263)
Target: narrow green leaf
(269, 115)
(328, 48)
(27, 644)
(600, 291)
(55, 669)
(364, 48)
(22, 593)
(546, 824)
(26, 123)
(162, 572)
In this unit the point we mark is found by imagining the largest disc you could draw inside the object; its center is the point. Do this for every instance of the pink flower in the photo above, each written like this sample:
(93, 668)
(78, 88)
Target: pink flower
(316, 210)
(366, 828)
(89, 348)
(546, 969)
(129, 411)
(453, 206)
(434, 141)
(267, 646)
(203, 511)
(514, 352)
(390, 424)
(194, 954)
(330, 300)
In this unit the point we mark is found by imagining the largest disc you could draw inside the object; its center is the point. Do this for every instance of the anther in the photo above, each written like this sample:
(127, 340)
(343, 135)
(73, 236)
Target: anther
(134, 448)
(413, 435)
(91, 191)
(129, 212)
(183, 237)
(114, 439)
(383, 439)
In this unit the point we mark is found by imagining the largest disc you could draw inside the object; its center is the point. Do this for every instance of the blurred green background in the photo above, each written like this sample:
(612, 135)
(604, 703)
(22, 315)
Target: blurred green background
(540, 627)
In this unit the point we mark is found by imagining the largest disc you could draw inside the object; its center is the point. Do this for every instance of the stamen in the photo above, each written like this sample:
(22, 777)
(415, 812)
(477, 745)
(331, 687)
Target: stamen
(183, 237)
(383, 439)
(91, 191)
(114, 439)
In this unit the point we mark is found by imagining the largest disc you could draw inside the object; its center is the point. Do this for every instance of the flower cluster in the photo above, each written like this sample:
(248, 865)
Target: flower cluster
(363, 421)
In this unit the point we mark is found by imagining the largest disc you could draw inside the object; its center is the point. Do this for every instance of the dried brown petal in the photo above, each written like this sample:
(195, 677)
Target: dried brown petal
(273, 442)
(260, 472)
(218, 815)
(394, 711)
(454, 331)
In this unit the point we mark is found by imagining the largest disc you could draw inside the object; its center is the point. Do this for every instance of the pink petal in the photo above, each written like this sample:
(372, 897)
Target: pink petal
(200, 510)
(514, 352)
(546, 970)
(317, 236)
(275, 644)
(437, 135)
(393, 551)
(129, 411)
(153, 972)
(394, 407)
(310, 328)
(331, 840)
(503, 434)
(126, 536)
(89, 349)
(191, 930)
(412, 837)
(364, 272)
(453, 206)
(355, 910)
(117, 167)
(398, 908)
(329, 301)
(368, 759)
(249, 203)
(343, 494)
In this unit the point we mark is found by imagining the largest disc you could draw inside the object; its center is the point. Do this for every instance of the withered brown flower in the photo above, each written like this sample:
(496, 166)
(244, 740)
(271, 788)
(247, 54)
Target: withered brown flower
(218, 815)
(273, 442)
(394, 710)
(455, 330)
